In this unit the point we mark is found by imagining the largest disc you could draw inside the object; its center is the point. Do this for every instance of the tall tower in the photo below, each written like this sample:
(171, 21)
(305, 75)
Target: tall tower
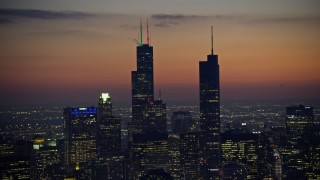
(80, 126)
(300, 155)
(147, 135)
(109, 138)
(104, 105)
(142, 84)
(210, 114)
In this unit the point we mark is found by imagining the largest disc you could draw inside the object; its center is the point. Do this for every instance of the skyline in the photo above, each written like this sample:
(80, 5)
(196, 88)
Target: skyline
(53, 55)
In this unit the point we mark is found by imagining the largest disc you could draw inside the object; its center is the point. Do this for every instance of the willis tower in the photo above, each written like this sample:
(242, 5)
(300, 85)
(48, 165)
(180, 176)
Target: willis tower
(148, 139)
(142, 84)
(210, 115)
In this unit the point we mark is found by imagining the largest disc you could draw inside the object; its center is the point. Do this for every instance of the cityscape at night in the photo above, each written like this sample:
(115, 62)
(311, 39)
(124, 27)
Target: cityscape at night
(160, 90)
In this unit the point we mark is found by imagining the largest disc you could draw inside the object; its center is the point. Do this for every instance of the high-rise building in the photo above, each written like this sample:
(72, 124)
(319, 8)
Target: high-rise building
(46, 156)
(299, 148)
(155, 117)
(109, 137)
(297, 119)
(112, 161)
(142, 84)
(182, 122)
(104, 105)
(147, 132)
(210, 115)
(190, 156)
(80, 125)
(240, 152)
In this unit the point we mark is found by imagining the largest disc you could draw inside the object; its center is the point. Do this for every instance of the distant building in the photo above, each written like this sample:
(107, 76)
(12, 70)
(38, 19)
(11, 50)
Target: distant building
(155, 117)
(297, 119)
(148, 117)
(151, 152)
(80, 139)
(182, 122)
(240, 154)
(109, 127)
(113, 163)
(299, 151)
(158, 174)
(45, 157)
(142, 86)
(210, 115)
(190, 156)
(15, 159)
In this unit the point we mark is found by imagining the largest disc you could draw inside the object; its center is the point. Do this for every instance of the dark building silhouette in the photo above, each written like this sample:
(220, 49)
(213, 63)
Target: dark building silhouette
(182, 122)
(240, 149)
(113, 163)
(47, 156)
(155, 117)
(158, 174)
(80, 140)
(300, 152)
(190, 156)
(148, 117)
(210, 115)
(142, 85)
(15, 159)
(109, 127)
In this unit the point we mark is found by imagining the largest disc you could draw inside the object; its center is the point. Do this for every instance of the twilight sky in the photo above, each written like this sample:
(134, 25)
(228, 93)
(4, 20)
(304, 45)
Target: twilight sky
(67, 52)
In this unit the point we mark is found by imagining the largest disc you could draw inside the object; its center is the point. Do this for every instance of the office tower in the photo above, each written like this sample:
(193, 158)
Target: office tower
(298, 148)
(148, 138)
(46, 155)
(239, 152)
(104, 105)
(15, 167)
(15, 159)
(142, 84)
(297, 119)
(183, 147)
(174, 155)
(112, 161)
(150, 151)
(182, 122)
(268, 156)
(190, 156)
(80, 125)
(155, 117)
(210, 115)
(109, 127)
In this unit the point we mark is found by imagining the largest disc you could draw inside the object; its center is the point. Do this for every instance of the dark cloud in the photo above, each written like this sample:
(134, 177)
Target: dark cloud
(11, 14)
(287, 19)
(175, 16)
(243, 18)
(5, 21)
(166, 24)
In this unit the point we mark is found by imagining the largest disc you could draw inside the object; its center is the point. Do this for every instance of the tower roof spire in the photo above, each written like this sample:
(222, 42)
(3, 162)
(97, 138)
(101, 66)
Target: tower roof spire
(140, 32)
(211, 40)
(147, 32)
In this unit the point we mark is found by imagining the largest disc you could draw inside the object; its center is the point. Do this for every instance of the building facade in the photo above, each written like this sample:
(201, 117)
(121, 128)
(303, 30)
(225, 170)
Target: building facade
(210, 116)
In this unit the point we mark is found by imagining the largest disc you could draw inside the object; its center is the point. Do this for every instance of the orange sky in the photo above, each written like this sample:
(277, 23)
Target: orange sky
(70, 59)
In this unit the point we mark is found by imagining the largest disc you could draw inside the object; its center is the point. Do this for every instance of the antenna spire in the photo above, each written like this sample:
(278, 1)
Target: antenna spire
(211, 40)
(147, 32)
(140, 32)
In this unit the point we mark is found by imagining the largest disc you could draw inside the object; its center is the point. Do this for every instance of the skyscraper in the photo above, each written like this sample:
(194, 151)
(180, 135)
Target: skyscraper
(210, 115)
(109, 127)
(300, 151)
(148, 138)
(80, 125)
(142, 84)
